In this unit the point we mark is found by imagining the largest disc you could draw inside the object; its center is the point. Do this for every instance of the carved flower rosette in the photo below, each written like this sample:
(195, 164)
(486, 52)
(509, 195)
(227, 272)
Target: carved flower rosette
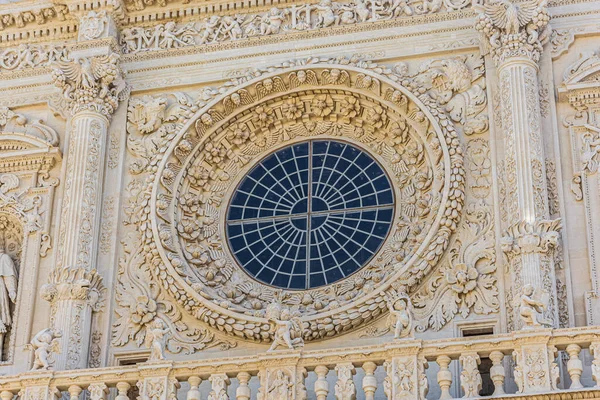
(371, 108)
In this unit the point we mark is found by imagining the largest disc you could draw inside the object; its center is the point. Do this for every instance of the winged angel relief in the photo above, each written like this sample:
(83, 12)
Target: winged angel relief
(503, 17)
(94, 83)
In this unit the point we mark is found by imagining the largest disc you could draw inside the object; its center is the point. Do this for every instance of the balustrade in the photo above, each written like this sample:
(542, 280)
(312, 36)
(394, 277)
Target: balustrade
(454, 371)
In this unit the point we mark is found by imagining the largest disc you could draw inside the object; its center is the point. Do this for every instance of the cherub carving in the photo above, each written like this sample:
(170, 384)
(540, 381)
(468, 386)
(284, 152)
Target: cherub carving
(285, 327)
(325, 14)
(237, 99)
(367, 82)
(335, 77)
(401, 318)
(271, 22)
(400, 7)
(156, 339)
(42, 344)
(532, 308)
(270, 85)
(303, 77)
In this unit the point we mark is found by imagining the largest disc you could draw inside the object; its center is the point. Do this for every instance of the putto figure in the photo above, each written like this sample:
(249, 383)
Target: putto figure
(285, 327)
(42, 344)
(156, 339)
(401, 318)
(532, 309)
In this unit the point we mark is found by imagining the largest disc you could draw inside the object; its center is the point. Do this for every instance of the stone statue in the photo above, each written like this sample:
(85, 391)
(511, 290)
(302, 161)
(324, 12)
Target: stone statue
(532, 309)
(286, 329)
(8, 292)
(401, 318)
(156, 339)
(42, 344)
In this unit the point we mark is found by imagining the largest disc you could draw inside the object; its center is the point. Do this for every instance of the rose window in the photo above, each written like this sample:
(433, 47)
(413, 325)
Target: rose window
(310, 214)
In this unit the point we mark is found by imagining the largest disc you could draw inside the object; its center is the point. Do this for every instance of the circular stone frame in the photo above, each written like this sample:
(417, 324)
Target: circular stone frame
(376, 109)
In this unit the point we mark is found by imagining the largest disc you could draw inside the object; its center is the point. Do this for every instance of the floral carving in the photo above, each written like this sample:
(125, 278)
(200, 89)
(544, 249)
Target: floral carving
(466, 281)
(190, 263)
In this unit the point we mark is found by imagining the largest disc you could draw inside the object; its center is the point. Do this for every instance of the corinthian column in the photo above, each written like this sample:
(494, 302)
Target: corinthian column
(91, 87)
(514, 34)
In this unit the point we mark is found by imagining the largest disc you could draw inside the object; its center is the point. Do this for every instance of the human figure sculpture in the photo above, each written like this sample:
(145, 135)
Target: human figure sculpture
(42, 344)
(156, 339)
(8, 293)
(401, 319)
(532, 309)
(286, 329)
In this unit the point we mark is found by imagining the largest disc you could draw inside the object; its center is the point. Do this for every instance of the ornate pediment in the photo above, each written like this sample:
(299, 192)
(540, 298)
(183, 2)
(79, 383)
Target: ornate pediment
(24, 145)
(581, 85)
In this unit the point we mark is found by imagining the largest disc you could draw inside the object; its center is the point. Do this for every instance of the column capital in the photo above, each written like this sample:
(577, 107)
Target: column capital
(74, 284)
(524, 237)
(513, 30)
(93, 83)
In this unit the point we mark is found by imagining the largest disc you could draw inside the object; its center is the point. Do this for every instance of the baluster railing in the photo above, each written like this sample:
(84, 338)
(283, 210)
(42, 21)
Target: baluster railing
(122, 388)
(369, 382)
(243, 391)
(321, 385)
(497, 373)
(470, 378)
(574, 365)
(219, 383)
(344, 387)
(194, 392)
(444, 376)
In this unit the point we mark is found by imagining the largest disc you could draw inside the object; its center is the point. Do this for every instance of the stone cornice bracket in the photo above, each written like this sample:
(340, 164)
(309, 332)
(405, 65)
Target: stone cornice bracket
(513, 30)
(525, 238)
(94, 84)
(75, 284)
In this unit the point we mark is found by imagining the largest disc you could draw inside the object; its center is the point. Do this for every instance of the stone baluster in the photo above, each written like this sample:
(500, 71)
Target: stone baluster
(530, 236)
(574, 366)
(219, 383)
(75, 288)
(194, 392)
(444, 376)
(98, 391)
(497, 373)
(345, 389)
(243, 391)
(470, 378)
(595, 351)
(74, 392)
(122, 389)
(369, 382)
(321, 385)
(6, 395)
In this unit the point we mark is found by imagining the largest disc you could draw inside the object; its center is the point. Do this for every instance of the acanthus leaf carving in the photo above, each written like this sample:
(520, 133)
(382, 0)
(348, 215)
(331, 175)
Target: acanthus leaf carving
(466, 282)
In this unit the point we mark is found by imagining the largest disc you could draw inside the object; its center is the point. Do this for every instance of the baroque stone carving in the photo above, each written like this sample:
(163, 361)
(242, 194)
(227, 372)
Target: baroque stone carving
(94, 83)
(470, 378)
(401, 318)
(466, 281)
(513, 29)
(304, 17)
(538, 237)
(39, 16)
(93, 24)
(156, 339)
(220, 144)
(31, 56)
(8, 282)
(43, 344)
(285, 327)
(531, 308)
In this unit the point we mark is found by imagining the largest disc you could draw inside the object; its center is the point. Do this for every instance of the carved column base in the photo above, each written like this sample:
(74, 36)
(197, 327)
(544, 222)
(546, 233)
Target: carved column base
(74, 295)
(405, 371)
(536, 369)
(280, 376)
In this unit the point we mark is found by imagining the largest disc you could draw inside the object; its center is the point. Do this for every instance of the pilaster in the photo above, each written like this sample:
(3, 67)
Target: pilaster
(281, 377)
(405, 371)
(92, 86)
(536, 369)
(514, 35)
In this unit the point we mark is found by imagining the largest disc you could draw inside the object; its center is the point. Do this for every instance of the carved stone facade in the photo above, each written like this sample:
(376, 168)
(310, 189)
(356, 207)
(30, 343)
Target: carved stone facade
(299, 200)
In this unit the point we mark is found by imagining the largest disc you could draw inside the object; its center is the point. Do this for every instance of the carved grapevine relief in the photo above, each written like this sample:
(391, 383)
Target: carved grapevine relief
(191, 154)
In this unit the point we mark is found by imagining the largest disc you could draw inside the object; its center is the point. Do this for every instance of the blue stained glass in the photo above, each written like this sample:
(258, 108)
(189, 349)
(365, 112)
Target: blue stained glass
(310, 214)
